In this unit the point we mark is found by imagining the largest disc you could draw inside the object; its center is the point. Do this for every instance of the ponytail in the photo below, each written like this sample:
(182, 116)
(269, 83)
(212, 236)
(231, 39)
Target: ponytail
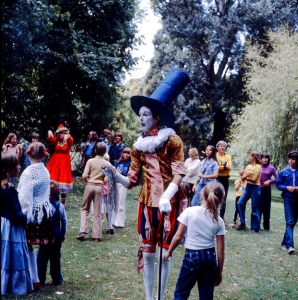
(213, 195)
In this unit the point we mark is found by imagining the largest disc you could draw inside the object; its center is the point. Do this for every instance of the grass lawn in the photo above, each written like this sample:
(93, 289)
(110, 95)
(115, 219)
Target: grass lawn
(255, 266)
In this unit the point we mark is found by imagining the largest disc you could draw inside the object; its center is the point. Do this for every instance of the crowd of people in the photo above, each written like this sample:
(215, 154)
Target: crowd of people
(180, 200)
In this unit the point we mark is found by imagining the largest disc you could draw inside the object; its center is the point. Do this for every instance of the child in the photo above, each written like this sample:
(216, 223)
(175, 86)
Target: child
(94, 177)
(52, 252)
(287, 182)
(201, 224)
(239, 187)
(122, 167)
(15, 274)
(34, 192)
(11, 144)
(34, 138)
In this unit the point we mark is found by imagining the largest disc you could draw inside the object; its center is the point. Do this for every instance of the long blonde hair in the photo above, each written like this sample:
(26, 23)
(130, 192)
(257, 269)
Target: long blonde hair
(213, 194)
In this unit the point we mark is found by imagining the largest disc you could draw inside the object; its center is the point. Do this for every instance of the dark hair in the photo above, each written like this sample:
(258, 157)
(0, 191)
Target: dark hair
(54, 190)
(213, 194)
(266, 155)
(213, 151)
(37, 150)
(257, 156)
(293, 154)
(126, 149)
(9, 161)
(35, 135)
(100, 149)
(94, 135)
(9, 137)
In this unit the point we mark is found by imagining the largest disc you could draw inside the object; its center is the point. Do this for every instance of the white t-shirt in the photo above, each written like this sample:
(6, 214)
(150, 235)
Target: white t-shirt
(201, 228)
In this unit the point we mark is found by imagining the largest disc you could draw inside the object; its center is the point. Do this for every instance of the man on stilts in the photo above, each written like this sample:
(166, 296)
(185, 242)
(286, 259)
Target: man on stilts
(159, 153)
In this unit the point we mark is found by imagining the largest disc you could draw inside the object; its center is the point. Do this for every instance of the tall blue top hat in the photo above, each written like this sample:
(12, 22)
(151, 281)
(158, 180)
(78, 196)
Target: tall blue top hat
(167, 91)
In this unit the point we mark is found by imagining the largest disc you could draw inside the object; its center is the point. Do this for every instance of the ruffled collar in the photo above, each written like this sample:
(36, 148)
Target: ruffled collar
(152, 143)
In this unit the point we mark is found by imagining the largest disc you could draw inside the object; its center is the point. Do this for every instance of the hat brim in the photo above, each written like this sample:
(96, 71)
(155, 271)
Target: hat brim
(167, 118)
(62, 129)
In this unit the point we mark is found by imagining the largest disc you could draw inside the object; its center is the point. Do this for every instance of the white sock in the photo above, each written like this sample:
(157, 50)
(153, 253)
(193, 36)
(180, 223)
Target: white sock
(148, 274)
(165, 272)
(33, 267)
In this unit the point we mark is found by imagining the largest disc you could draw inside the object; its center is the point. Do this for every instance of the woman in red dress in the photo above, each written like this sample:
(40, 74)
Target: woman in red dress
(59, 165)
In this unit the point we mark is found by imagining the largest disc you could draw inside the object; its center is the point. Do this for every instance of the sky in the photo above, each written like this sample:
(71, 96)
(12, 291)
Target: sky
(148, 28)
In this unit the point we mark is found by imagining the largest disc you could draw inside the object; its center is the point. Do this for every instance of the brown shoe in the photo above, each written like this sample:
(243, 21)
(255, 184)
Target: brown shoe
(97, 240)
(81, 235)
(240, 227)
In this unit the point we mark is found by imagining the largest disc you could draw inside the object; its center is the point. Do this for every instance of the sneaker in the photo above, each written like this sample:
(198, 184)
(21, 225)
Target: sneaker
(291, 250)
(284, 248)
(240, 227)
(233, 225)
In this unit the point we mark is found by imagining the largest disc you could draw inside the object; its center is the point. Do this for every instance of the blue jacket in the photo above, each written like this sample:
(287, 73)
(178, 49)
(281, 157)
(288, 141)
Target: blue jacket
(285, 178)
(123, 166)
(58, 217)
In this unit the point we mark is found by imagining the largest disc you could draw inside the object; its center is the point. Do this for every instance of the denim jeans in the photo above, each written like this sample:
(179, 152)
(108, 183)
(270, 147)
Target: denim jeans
(254, 192)
(198, 266)
(50, 252)
(196, 200)
(291, 216)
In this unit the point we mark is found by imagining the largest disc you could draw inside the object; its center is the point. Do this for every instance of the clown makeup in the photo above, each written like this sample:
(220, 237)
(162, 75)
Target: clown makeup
(148, 122)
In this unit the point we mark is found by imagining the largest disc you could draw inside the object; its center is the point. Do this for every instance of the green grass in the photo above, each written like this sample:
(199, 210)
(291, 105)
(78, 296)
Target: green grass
(255, 266)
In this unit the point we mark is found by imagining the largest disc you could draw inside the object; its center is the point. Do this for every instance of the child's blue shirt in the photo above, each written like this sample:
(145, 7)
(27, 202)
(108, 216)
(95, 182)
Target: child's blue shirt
(58, 217)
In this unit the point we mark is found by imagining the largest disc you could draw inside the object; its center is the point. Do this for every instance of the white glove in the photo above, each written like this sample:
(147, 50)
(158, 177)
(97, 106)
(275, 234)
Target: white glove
(164, 201)
(122, 179)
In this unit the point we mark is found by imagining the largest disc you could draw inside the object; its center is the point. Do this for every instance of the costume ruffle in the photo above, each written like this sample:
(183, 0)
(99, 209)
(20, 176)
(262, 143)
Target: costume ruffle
(151, 143)
(15, 275)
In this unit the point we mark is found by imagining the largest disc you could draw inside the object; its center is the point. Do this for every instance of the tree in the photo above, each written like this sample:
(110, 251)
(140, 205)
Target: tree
(270, 123)
(62, 61)
(210, 37)
(124, 118)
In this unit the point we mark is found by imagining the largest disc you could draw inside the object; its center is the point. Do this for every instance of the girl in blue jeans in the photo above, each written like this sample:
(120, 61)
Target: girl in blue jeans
(208, 172)
(252, 175)
(200, 224)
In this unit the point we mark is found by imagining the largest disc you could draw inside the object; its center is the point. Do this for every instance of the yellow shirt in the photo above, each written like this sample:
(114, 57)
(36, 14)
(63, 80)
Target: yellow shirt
(254, 169)
(221, 160)
(241, 188)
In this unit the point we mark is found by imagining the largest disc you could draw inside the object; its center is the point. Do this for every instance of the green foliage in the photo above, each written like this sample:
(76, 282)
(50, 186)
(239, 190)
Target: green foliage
(124, 118)
(205, 38)
(62, 61)
(270, 122)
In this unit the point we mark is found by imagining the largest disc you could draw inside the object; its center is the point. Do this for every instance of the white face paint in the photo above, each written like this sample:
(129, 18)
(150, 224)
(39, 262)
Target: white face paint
(146, 118)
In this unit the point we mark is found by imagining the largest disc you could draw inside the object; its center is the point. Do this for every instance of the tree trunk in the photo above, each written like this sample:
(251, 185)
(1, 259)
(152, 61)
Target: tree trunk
(219, 128)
